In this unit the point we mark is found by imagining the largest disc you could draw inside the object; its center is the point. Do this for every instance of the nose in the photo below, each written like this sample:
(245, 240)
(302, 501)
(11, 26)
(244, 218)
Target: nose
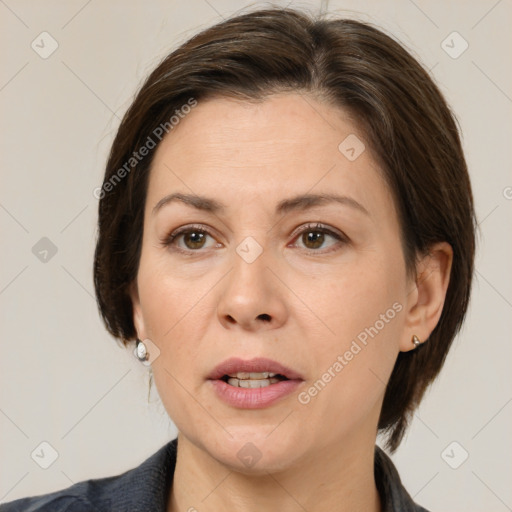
(253, 297)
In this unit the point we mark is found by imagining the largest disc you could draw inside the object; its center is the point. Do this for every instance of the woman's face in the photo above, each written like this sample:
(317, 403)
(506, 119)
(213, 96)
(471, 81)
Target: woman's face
(318, 286)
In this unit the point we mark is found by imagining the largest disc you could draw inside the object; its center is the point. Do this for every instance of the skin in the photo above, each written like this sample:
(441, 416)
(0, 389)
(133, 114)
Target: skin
(204, 305)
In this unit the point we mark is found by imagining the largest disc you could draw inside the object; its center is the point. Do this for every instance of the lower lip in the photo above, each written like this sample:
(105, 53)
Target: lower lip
(256, 398)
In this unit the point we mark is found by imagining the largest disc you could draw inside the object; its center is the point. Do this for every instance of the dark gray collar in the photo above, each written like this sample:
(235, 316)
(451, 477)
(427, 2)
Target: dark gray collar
(394, 497)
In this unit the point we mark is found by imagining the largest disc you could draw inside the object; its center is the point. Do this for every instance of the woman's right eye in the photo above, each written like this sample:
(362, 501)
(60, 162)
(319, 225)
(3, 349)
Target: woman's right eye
(192, 239)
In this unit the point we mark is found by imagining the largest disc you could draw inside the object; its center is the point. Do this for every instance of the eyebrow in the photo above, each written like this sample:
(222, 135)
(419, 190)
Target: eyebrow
(297, 203)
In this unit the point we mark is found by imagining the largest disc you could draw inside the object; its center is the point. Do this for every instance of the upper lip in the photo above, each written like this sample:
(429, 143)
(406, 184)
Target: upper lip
(260, 364)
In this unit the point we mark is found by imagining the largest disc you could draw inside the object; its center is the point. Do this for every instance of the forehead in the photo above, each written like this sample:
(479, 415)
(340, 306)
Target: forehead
(275, 125)
(285, 145)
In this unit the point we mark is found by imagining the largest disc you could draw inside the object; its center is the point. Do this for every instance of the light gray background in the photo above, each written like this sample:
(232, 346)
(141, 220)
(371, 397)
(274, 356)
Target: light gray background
(65, 381)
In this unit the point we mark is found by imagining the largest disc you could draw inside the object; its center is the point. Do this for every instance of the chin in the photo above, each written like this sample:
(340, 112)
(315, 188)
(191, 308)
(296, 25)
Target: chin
(254, 451)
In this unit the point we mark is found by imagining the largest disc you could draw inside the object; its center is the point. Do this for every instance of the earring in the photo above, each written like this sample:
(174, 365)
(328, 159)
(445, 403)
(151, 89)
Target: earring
(416, 341)
(141, 352)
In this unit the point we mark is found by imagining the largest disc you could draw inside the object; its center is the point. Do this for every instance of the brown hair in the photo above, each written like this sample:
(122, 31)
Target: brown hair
(401, 112)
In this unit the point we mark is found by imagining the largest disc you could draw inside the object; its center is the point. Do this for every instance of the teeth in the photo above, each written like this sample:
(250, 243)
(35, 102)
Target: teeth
(252, 384)
(252, 375)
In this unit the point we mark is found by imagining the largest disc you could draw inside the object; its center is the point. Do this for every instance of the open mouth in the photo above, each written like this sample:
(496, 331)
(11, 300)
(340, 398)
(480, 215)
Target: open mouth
(253, 380)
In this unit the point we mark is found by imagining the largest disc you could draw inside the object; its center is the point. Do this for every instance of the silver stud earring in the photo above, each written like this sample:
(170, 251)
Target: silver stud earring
(141, 352)
(416, 341)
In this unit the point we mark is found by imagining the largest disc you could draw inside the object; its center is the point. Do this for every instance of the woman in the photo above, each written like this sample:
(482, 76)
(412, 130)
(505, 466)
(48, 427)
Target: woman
(286, 232)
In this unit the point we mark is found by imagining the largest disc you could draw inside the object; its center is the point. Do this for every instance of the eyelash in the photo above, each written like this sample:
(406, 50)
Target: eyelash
(170, 239)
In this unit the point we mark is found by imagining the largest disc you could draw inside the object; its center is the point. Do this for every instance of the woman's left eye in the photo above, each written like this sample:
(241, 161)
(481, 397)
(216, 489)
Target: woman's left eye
(314, 236)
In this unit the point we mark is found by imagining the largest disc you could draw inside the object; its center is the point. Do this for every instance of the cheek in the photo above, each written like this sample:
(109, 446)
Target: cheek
(355, 297)
(174, 317)
(363, 311)
(177, 311)
(168, 299)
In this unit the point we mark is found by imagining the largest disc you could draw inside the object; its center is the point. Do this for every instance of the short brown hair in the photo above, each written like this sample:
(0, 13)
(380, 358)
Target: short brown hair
(407, 124)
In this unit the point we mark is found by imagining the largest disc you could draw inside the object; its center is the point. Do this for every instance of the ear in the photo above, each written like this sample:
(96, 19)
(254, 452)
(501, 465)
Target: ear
(426, 296)
(138, 320)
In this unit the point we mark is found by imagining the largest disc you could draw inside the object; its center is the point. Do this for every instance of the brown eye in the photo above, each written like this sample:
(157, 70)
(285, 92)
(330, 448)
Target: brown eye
(194, 239)
(188, 239)
(313, 239)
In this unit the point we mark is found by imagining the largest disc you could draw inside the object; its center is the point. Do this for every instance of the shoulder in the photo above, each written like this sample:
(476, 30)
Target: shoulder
(87, 496)
(59, 501)
(142, 488)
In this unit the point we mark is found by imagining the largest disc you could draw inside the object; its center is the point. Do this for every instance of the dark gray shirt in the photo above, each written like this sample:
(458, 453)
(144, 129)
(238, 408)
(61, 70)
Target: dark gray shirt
(145, 488)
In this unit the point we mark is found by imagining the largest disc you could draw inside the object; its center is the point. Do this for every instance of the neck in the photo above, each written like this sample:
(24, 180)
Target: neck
(339, 479)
